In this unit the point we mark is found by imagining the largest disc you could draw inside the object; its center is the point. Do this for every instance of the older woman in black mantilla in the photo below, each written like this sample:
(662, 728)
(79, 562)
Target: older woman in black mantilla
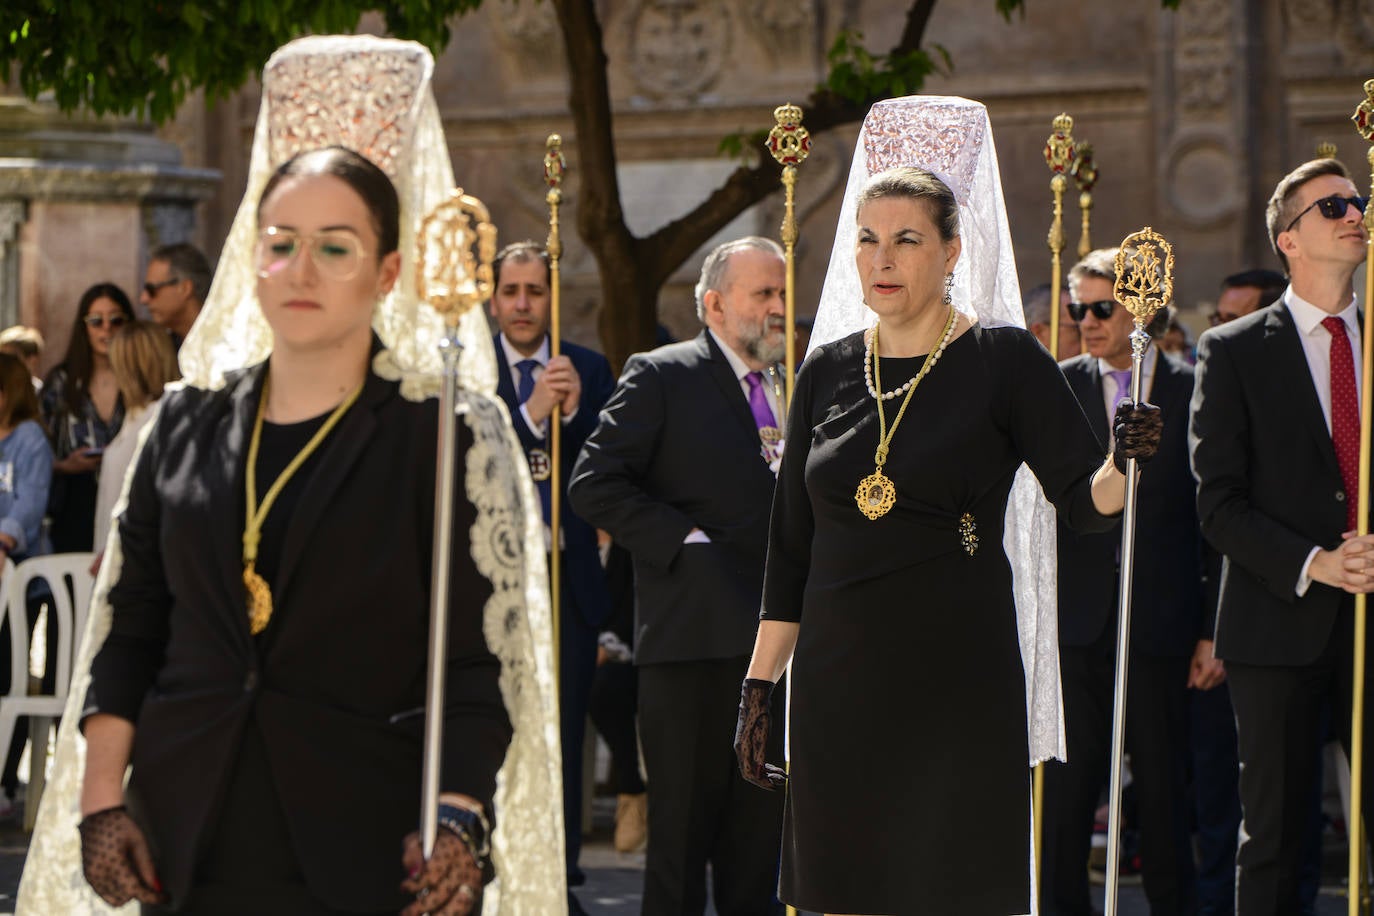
(909, 788)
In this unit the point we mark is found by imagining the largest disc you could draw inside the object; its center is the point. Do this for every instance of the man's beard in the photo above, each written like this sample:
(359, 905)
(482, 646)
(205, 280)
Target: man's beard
(761, 347)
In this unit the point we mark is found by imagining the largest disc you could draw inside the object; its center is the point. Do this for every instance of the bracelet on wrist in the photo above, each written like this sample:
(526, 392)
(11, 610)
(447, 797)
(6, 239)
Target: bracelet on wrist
(470, 826)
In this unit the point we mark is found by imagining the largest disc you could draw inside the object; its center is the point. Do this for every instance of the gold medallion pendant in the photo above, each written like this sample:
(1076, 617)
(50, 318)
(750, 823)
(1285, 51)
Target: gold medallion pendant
(259, 600)
(876, 495)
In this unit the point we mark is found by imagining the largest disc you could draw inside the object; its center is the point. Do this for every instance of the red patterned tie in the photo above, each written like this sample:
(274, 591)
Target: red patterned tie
(1345, 415)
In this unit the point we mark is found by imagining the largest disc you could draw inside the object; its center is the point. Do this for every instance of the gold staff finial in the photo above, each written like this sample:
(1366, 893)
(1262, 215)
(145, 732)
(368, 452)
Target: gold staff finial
(449, 274)
(1059, 156)
(1084, 171)
(1326, 150)
(1144, 275)
(790, 144)
(554, 168)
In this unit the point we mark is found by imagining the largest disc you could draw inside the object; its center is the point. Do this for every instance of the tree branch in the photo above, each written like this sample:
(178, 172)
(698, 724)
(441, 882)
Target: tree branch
(672, 244)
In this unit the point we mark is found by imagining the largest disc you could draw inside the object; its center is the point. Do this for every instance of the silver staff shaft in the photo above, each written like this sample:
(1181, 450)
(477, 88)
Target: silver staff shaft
(445, 460)
(1139, 341)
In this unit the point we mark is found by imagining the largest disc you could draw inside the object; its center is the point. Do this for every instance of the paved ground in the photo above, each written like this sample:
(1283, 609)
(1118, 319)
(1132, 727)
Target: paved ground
(614, 880)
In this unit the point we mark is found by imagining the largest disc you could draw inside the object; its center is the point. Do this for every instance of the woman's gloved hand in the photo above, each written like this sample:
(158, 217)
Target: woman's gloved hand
(1136, 429)
(449, 884)
(116, 860)
(751, 735)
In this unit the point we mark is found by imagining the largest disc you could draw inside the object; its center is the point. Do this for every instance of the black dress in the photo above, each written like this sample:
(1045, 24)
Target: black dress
(910, 787)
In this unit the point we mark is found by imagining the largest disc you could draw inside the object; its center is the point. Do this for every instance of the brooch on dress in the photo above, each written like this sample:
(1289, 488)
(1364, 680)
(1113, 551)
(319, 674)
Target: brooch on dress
(968, 533)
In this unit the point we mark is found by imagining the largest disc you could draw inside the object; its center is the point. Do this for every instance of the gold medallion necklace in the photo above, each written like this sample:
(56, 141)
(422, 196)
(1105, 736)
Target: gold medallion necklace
(259, 593)
(877, 494)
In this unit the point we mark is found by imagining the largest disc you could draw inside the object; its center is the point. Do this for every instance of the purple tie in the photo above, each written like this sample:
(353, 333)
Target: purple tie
(1122, 377)
(758, 401)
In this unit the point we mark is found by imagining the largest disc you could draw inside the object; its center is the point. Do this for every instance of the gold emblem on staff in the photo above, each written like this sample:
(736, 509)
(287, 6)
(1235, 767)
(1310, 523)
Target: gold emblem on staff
(541, 466)
(876, 495)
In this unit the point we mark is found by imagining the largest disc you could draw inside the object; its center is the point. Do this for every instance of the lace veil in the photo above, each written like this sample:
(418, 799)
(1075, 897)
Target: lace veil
(372, 95)
(952, 137)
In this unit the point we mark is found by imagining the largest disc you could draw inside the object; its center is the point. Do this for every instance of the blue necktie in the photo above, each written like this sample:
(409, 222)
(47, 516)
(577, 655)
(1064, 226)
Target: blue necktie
(523, 391)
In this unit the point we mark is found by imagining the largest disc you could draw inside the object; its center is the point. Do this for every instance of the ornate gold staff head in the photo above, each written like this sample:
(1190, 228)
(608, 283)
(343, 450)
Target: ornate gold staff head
(1084, 170)
(1364, 123)
(554, 168)
(1059, 148)
(449, 274)
(788, 141)
(1326, 150)
(1144, 275)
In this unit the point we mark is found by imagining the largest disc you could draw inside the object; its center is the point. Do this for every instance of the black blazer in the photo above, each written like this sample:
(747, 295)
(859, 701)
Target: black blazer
(1167, 616)
(582, 560)
(677, 449)
(336, 683)
(1269, 487)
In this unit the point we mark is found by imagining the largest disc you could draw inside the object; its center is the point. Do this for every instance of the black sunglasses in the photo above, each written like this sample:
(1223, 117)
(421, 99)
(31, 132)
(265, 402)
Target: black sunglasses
(152, 288)
(1332, 207)
(1102, 309)
(99, 321)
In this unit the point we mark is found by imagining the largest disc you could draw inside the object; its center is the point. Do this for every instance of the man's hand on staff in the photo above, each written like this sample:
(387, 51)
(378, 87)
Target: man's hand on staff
(558, 384)
(1349, 567)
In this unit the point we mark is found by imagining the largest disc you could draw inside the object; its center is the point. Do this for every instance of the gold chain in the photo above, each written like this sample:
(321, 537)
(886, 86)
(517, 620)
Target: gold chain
(884, 433)
(259, 595)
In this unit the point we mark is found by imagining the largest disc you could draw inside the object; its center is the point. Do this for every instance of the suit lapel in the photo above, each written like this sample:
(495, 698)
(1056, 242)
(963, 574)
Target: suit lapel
(504, 386)
(1086, 383)
(338, 453)
(1290, 369)
(728, 383)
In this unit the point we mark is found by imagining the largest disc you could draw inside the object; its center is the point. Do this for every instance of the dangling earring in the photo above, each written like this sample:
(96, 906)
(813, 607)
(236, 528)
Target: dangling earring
(949, 288)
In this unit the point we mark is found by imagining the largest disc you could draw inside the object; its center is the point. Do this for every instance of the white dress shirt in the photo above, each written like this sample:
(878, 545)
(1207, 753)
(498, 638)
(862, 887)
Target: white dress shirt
(772, 380)
(1316, 346)
(541, 356)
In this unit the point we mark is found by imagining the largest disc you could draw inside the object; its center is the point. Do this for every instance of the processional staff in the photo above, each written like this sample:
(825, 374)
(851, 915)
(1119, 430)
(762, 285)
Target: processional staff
(1364, 123)
(452, 279)
(554, 167)
(1085, 176)
(1144, 285)
(790, 143)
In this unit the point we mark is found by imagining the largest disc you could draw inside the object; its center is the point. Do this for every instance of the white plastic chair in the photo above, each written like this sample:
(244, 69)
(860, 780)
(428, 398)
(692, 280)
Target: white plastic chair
(69, 580)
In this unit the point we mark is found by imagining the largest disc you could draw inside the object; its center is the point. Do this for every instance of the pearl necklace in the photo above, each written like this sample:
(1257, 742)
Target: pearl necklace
(915, 379)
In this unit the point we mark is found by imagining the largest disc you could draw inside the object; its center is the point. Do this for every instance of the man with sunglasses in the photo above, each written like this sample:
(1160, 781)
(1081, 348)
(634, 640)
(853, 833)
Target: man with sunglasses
(1166, 625)
(1275, 443)
(175, 286)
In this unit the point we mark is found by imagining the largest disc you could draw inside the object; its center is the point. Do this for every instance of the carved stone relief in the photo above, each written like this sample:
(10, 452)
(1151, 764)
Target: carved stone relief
(1202, 58)
(785, 28)
(678, 47)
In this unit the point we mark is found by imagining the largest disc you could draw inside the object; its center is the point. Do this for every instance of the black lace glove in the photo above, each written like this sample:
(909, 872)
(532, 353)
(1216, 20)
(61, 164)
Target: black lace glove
(1136, 428)
(116, 860)
(751, 735)
(449, 884)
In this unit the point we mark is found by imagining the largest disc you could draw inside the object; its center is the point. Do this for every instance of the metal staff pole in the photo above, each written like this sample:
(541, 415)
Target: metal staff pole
(790, 143)
(1059, 156)
(1144, 285)
(1084, 173)
(451, 279)
(554, 167)
(1364, 123)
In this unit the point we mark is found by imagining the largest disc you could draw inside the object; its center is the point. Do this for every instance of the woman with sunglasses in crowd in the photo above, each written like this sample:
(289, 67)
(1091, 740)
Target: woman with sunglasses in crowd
(83, 412)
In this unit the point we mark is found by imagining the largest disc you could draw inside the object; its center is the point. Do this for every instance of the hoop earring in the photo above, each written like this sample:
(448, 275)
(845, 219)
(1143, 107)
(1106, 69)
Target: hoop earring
(949, 288)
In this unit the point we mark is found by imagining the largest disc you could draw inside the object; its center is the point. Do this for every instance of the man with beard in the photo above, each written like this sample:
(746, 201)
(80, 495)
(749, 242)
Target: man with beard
(678, 471)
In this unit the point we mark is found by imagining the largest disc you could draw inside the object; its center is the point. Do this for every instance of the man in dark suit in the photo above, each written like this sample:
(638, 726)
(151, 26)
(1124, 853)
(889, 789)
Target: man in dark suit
(1167, 628)
(678, 473)
(1275, 443)
(531, 382)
